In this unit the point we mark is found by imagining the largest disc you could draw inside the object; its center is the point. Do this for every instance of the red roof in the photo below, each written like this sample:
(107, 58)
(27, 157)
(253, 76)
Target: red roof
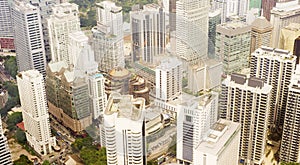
(21, 126)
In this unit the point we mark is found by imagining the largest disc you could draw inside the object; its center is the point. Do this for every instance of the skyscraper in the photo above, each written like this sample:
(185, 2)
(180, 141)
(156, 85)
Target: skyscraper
(275, 67)
(232, 45)
(148, 32)
(288, 35)
(6, 30)
(61, 23)
(289, 150)
(296, 50)
(282, 15)
(168, 77)
(108, 36)
(214, 18)
(35, 111)
(194, 119)
(124, 129)
(192, 29)
(5, 155)
(267, 6)
(246, 100)
(261, 33)
(28, 37)
(220, 146)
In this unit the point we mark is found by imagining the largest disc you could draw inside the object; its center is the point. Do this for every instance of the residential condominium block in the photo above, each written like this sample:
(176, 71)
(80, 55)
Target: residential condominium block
(5, 155)
(194, 119)
(148, 32)
(282, 15)
(108, 36)
(124, 130)
(233, 45)
(247, 101)
(261, 33)
(35, 111)
(275, 67)
(289, 150)
(61, 23)
(220, 145)
(28, 37)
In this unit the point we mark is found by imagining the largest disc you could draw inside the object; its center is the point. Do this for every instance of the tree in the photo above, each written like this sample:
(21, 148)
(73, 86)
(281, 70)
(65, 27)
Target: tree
(80, 143)
(23, 160)
(92, 156)
(10, 65)
(289, 163)
(46, 162)
(20, 136)
(14, 119)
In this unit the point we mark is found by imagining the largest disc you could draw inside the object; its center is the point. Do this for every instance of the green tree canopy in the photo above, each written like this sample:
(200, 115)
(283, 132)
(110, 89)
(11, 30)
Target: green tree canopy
(23, 160)
(20, 136)
(14, 119)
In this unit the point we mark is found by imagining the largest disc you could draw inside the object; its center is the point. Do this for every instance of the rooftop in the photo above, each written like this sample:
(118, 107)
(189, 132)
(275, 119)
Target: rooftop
(279, 54)
(218, 137)
(261, 23)
(169, 63)
(233, 28)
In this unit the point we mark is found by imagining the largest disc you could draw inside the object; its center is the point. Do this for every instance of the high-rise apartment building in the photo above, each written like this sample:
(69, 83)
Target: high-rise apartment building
(232, 45)
(124, 130)
(194, 119)
(35, 111)
(192, 29)
(61, 23)
(289, 150)
(261, 33)
(275, 67)
(5, 155)
(97, 94)
(148, 32)
(168, 77)
(282, 15)
(28, 37)
(108, 36)
(288, 35)
(247, 101)
(220, 145)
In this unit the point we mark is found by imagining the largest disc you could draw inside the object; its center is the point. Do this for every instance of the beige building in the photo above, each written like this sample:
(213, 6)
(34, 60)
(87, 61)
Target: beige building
(261, 33)
(288, 35)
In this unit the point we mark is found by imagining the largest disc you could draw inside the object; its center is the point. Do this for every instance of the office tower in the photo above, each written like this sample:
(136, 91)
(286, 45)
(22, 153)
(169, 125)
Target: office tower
(267, 6)
(5, 155)
(97, 94)
(289, 150)
(261, 33)
(192, 29)
(247, 101)
(28, 40)
(168, 78)
(124, 129)
(214, 19)
(282, 15)
(255, 4)
(296, 50)
(236, 7)
(108, 36)
(61, 23)
(221, 145)
(275, 66)
(6, 30)
(194, 118)
(232, 45)
(45, 8)
(148, 32)
(288, 35)
(172, 25)
(35, 111)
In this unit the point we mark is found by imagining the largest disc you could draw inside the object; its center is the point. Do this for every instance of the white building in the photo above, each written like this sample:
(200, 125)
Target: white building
(35, 111)
(282, 15)
(168, 77)
(192, 29)
(220, 146)
(194, 118)
(62, 22)
(28, 37)
(124, 130)
(275, 66)
(247, 101)
(108, 36)
(5, 155)
(5, 20)
(148, 32)
(289, 151)
(97, 94)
